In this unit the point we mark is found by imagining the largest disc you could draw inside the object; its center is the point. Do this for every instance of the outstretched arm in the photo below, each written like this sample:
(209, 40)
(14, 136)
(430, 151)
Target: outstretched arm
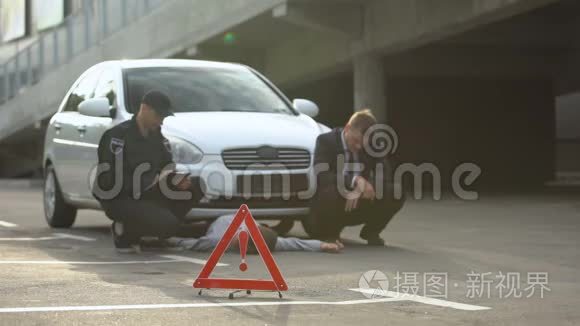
(200, 244)
(296, 244)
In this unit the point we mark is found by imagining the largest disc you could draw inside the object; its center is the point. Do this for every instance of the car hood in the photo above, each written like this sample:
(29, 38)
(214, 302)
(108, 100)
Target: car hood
(213, 132)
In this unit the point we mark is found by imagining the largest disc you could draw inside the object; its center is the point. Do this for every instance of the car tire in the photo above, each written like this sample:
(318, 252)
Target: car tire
(57, 212)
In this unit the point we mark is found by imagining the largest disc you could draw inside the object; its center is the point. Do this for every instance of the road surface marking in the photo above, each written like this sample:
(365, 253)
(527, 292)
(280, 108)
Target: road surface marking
(55, 236)
(7, 224)
(75, 143)
(74, 237)
(420, 299)
(170, 259)
(30, 239)
(62, 262)
(195, 305)
(191, 260)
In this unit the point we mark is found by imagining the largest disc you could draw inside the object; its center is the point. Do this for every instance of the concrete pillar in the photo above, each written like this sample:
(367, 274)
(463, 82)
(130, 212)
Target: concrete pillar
(370, 85)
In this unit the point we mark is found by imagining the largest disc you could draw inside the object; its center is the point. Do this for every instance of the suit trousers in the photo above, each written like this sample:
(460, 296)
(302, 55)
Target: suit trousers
(329, 218)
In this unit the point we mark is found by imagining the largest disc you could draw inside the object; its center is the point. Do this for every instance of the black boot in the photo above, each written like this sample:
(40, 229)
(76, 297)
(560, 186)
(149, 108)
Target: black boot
(122, 242)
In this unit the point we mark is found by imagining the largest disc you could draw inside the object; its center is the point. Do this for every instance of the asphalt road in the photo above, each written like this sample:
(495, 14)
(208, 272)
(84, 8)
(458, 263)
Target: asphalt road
(447, 262)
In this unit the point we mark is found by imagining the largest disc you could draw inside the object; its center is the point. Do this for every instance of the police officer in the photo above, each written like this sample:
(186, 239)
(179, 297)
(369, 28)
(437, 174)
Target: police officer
(136, 183)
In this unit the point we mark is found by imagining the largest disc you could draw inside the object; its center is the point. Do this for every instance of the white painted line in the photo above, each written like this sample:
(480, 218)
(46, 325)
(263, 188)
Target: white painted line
(55, 236)
(8, 224)
(74, 237)
(421, 299)
(170, 259)
(75, 143)
(190, 260)
(62, 262)
(194, 305)
(30, 239)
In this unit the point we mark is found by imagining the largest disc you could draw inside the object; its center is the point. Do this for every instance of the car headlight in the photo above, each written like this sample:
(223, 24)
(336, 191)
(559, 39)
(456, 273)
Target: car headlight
(184, 152)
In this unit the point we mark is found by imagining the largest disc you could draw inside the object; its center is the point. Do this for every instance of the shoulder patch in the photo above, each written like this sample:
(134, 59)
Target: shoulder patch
(116, 145)
(167, 145)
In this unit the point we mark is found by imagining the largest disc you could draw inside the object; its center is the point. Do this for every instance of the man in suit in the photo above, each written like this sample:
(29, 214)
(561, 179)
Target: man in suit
(346, 193)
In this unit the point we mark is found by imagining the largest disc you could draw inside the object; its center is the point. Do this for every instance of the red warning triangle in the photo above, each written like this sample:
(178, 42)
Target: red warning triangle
(277, 283)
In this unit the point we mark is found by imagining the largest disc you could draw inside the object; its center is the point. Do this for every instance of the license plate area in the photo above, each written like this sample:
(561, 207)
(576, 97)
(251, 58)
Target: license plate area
(271, 184)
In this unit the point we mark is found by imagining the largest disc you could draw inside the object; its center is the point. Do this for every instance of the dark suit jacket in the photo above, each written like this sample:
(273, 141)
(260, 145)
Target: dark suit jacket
(328, 148)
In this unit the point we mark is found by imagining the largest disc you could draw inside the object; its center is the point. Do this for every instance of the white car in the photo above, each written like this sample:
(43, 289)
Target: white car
(231, 130)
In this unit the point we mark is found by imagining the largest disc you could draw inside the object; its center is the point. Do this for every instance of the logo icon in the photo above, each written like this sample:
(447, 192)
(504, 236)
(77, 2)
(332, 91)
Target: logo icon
(116, 145)
(380, 140)
(376, 281)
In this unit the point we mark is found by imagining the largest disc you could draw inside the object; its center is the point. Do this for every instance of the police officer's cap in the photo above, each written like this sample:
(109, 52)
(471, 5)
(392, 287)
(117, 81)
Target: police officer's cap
(159, 102)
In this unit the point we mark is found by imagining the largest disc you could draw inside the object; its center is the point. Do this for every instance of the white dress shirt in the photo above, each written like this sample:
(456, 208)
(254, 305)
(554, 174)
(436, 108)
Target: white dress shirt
(354, 160)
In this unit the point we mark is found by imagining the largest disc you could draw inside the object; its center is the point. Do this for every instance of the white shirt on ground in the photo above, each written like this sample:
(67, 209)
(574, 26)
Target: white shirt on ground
(218, 228)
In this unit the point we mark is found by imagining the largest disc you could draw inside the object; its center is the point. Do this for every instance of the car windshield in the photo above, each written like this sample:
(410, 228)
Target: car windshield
(202, 89)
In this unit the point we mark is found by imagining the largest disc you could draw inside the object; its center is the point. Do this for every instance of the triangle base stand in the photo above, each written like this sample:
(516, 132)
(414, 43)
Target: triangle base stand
(231, 295)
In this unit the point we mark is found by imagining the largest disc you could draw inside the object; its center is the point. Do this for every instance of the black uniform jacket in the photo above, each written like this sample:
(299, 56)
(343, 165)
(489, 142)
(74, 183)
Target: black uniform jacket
(128, 162)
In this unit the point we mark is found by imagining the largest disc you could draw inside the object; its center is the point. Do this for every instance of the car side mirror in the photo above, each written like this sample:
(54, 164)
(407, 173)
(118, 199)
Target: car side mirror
(306, 107)
(95, 107)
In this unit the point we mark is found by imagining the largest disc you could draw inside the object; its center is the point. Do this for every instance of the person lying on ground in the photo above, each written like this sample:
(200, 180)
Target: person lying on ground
(275, 243)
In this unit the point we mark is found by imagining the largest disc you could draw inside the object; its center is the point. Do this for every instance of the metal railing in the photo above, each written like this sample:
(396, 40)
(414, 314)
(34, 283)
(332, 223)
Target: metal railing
(80, 31)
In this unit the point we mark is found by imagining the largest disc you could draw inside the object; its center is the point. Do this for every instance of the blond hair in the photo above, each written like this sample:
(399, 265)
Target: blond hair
(362, 120)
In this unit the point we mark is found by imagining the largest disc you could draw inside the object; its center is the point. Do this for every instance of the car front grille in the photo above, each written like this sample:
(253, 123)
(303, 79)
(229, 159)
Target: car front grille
(266, 158)
(272, 184)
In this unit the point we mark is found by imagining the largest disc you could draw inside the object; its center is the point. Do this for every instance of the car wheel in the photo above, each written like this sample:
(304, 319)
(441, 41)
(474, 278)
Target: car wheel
(57, 212)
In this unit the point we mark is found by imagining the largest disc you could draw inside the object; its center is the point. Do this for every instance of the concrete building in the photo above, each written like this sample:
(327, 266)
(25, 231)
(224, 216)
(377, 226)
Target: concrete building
(459, 80)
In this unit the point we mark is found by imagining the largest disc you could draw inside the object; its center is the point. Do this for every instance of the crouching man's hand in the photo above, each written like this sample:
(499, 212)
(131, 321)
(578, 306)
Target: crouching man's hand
(184, 183)
(365, 188)
(352, 199)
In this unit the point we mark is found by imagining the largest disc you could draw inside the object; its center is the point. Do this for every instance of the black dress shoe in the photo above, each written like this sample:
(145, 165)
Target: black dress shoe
(373, 240)
(122, 244)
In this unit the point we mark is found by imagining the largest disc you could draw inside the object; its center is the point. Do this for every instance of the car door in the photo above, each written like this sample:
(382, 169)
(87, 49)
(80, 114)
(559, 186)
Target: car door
(91, 129)
(67, 143)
